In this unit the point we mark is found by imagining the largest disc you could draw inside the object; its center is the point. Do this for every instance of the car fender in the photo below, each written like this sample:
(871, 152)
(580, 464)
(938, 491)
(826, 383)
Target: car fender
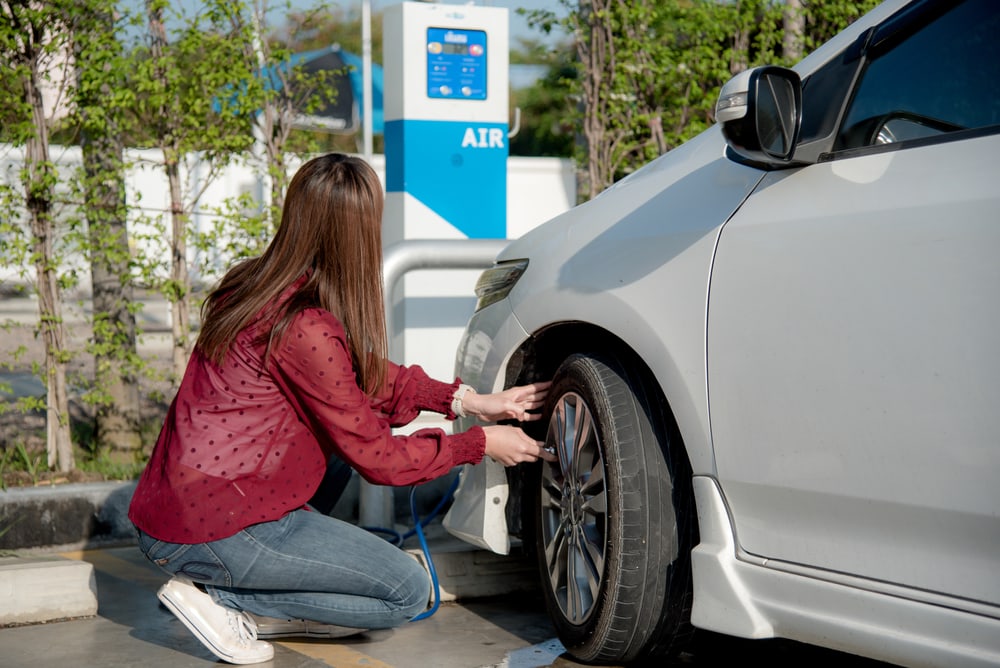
(675, 207)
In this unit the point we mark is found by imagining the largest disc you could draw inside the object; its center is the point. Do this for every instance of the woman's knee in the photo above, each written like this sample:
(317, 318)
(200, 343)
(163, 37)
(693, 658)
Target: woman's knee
(414, 593)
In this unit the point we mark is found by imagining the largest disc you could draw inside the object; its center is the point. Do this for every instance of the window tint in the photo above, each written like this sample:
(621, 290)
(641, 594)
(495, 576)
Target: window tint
(823, 96)
(942, 78)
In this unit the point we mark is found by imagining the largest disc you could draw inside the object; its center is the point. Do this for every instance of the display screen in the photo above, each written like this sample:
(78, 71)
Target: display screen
(456, 63)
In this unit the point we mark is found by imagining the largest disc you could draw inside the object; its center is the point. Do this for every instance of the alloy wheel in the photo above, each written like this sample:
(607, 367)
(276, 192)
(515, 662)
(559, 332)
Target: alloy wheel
(574, 509)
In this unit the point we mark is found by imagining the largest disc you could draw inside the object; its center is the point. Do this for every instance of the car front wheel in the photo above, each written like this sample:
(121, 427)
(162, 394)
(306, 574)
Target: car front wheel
(614, 517)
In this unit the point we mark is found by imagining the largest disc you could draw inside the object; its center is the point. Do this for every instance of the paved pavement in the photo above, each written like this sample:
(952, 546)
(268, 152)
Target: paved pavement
(132, 629)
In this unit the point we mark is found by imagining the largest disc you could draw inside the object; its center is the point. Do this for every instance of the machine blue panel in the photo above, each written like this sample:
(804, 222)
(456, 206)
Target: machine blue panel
(457, 169)
(456, 64)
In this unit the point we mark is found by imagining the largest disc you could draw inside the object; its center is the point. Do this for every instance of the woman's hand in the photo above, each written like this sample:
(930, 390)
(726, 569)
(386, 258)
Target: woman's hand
(510, 445)
(511, 404)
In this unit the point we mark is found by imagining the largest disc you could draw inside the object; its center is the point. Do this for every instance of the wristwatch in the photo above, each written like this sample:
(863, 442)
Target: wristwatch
(456, 402)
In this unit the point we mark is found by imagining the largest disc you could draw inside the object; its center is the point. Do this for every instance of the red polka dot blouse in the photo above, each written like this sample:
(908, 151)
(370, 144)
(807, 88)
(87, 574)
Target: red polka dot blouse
(241, 445)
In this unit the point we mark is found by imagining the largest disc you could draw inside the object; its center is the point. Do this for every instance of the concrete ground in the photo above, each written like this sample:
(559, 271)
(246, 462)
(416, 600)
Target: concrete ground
(131, 628)
(506, 630)
(510, 630)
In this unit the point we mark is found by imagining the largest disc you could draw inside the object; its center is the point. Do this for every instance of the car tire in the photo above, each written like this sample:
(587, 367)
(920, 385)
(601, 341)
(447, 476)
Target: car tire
(613, 520)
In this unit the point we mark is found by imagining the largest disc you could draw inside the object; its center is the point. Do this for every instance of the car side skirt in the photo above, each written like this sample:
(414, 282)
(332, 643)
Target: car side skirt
(747, 596)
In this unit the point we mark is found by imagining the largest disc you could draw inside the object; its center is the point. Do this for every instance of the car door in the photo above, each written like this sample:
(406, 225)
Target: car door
(854, 327)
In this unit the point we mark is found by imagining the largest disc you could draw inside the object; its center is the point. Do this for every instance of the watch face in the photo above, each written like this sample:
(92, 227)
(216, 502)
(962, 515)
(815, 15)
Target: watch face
(456, 63)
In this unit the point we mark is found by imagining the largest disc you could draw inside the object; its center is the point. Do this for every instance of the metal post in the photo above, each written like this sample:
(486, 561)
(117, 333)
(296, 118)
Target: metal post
(367, 105)
(375, 502)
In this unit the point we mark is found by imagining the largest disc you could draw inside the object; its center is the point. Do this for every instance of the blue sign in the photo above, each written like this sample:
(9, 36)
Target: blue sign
(456, 64)
(457, 169)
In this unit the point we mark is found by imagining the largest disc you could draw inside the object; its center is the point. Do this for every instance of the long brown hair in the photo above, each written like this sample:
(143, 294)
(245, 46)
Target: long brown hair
(330, 231)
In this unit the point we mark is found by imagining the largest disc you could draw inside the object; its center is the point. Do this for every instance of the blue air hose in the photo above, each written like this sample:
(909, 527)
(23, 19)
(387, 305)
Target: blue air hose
(418, 528)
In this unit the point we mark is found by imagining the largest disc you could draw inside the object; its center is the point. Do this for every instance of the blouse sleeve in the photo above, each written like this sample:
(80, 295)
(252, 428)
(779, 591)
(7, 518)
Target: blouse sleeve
(409, 390)
(313, 366)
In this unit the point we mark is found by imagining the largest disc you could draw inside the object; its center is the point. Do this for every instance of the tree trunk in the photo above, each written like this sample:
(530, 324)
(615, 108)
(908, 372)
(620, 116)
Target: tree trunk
(39, 186)
(595, 48)
(274, 163)
(740, 58)
(180, 293)
(794, 23)
(117, 420)
(272, 125)
(279, 178)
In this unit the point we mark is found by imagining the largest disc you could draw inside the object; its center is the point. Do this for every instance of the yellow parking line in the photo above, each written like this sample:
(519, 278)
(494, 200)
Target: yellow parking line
(333, 654)
(102, 560)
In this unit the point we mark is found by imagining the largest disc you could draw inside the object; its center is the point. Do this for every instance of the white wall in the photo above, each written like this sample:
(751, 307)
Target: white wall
(436, 304)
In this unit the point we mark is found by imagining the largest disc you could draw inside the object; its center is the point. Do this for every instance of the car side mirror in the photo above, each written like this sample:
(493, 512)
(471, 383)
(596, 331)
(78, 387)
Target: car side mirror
(761, 114)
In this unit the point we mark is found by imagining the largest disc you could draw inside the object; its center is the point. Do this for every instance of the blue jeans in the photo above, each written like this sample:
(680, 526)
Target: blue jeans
(306, 565)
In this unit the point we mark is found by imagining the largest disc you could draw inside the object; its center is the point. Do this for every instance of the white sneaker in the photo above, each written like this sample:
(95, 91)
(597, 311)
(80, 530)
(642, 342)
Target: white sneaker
(272, 627)
(229, 634)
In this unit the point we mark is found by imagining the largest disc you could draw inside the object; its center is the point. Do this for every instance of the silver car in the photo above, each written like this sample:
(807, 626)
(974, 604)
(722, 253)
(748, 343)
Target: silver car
(776, 363)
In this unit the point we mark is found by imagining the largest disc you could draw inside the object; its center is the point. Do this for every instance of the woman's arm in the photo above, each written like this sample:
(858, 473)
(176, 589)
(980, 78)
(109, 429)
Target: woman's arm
(313, 368)
(409, 390)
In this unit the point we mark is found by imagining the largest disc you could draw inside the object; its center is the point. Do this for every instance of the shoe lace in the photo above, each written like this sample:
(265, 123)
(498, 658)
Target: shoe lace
(245, 628)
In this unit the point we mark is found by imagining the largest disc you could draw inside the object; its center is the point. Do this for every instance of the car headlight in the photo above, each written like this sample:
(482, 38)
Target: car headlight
(496, 283)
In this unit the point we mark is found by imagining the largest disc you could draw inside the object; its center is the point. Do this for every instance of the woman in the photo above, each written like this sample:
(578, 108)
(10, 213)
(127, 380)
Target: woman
(289, 372)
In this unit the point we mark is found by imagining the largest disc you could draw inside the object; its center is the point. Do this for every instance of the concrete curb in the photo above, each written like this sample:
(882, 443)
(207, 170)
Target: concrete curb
(42, 589)
(37, 585)
(66, 517)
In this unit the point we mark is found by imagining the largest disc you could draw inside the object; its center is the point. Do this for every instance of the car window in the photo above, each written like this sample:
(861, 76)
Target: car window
(942, 77)
(823, 95)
